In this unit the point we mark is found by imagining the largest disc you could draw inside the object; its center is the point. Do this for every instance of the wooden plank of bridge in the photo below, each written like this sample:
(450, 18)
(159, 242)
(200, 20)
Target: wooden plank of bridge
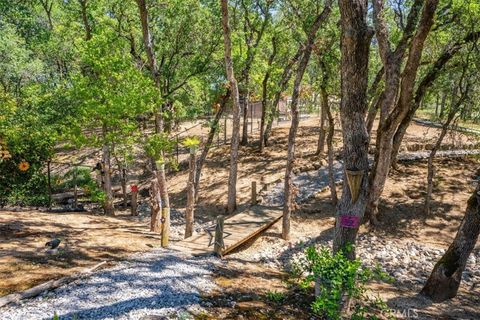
(238, 229)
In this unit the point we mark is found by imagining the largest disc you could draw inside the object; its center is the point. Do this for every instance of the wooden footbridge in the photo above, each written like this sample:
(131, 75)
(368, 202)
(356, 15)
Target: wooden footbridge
(237, 229)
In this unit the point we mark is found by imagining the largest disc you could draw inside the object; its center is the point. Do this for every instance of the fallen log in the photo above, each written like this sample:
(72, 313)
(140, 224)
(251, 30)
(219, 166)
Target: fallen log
(49, 285)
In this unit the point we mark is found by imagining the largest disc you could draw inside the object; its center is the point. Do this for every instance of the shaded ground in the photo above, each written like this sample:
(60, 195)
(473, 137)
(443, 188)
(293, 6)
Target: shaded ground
(249, 278)
(86, 240)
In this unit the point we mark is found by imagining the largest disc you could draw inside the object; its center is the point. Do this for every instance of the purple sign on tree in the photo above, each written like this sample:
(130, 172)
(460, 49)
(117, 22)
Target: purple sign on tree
(351, 222)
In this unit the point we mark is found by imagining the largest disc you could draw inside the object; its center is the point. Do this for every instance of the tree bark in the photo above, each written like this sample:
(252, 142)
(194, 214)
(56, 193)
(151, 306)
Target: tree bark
(108, 205)
(232, 178)
(245, 107)
(107, 177)
(249, 32)
(331, 176)
(210, 137)
(282, 86)
(123, 172)
(308, 46)
(446, 276)
(323, 118)
(151, 58)
(86, 23)
(355, 44)
(266, 78)
(47, 6)
(425, 83)
(189, 212)
(397, 84)
(455, 107)
(155, 205)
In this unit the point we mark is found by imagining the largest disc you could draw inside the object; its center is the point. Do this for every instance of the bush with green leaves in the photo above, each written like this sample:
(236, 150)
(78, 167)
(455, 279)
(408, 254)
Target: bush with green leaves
(82, 178)
(339, 279)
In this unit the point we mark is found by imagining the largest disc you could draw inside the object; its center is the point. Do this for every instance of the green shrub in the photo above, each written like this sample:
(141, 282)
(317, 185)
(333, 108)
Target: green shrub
(339, 279)
(81, 176)
(275, 296)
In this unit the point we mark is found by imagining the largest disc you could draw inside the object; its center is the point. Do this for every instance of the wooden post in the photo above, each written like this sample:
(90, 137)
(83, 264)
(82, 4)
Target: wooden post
(165, 220)
(49, 175)
(219, 245)
(254, 193)
(165, 226)
(134, 199)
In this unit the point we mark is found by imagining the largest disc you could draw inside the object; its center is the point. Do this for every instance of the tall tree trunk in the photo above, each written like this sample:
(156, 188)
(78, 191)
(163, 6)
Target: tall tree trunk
(124, 179)
(155, 74)
(232, 178)
(431, 169)
(152, 60)
(282, 86)
(189, 212)
(442, 105)
(245, 108)
(372, 113)
(252, 43)
(425, 83)
(323, 118)
(210, 137)
(108, 205)
(331, 176)
(308, 46)
(86, 23)
(446, 276)
(355, 44)
(397, 84)
(454, 108)
(155, 204)
(266, 78)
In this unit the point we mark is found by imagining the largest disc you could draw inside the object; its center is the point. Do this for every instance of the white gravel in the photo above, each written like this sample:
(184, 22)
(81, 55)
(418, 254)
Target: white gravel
(157, 283)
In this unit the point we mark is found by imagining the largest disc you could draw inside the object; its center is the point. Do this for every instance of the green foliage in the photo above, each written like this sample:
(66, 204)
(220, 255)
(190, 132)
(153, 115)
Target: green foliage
(82, 178)
(275, 296)
(340, 278)
(193, 141)
(157, 145)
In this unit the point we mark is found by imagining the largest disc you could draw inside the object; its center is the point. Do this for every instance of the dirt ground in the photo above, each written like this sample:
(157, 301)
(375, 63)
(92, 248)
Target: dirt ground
(269, 166)
(87, 239)
(251, 284)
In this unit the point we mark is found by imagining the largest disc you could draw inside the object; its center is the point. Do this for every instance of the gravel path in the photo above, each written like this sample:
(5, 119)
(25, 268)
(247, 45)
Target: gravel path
(157, 283)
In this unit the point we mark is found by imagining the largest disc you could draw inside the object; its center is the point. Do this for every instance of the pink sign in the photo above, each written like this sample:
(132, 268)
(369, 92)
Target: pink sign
(351, 222)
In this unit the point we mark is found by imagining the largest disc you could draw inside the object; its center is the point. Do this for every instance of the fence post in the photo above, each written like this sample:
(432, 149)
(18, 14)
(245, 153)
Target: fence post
(134, 199)
(219, 245)
(254, 193)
